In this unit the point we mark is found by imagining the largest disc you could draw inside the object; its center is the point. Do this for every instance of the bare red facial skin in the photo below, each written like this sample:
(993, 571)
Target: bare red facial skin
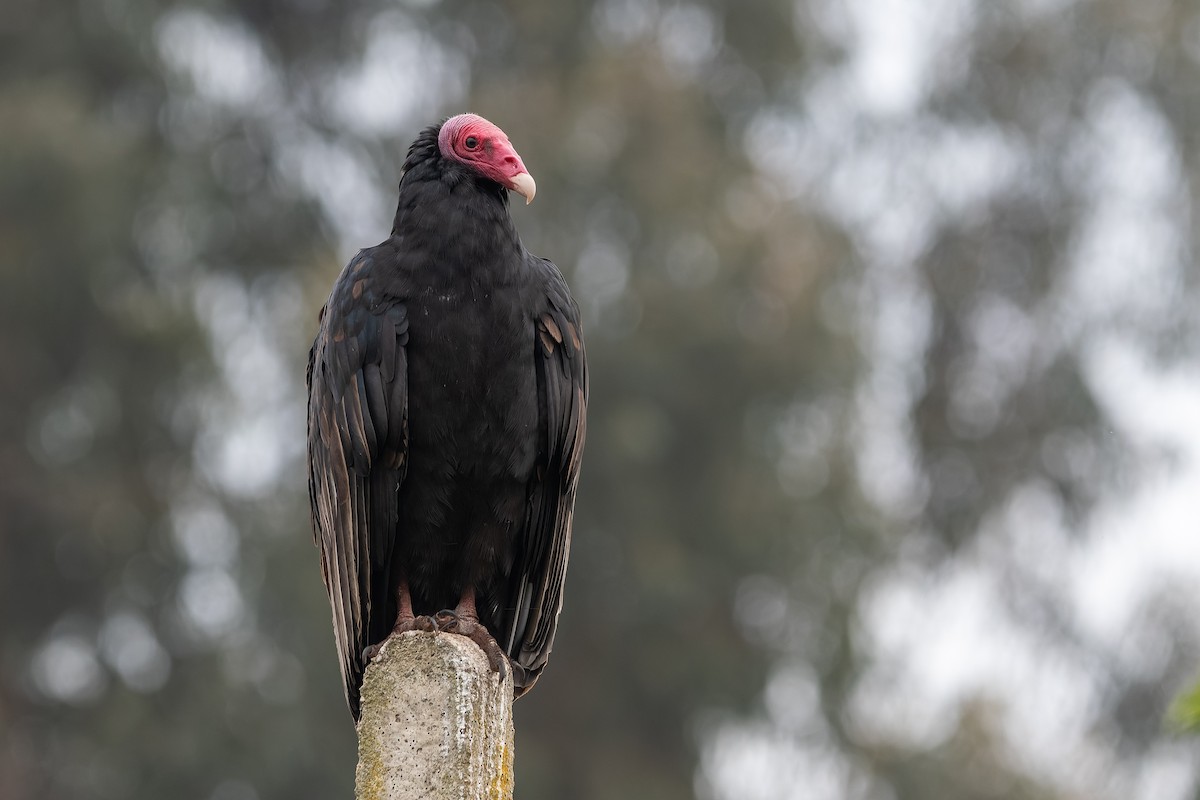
(472, 140)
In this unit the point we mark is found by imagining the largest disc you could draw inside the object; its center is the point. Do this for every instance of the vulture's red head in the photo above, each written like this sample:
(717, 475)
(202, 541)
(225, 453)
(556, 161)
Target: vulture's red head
(471, 140)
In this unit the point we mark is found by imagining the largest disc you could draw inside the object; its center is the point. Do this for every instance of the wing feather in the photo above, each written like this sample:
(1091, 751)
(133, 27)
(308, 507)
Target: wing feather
(562, 381)
(357, 441)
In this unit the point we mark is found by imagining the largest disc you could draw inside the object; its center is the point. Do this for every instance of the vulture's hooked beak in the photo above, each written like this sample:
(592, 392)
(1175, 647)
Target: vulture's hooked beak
(523, 184)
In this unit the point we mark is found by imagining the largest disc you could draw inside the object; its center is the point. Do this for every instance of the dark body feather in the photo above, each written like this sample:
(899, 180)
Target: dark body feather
(446, 418)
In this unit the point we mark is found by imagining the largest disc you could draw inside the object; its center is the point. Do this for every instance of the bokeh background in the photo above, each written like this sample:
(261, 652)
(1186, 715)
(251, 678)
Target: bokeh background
(892, 488)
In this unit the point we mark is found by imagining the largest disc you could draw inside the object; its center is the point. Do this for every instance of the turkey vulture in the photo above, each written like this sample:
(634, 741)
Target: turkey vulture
(447, 393)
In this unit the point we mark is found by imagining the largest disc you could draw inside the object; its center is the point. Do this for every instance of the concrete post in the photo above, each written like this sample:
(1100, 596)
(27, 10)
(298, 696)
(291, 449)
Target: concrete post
(436, 723)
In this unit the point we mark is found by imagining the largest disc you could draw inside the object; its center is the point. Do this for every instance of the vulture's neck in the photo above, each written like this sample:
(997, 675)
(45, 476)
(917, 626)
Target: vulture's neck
(455, 213)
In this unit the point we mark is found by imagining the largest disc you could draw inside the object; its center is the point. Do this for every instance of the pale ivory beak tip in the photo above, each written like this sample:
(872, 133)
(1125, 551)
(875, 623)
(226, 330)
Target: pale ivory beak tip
(524, 185)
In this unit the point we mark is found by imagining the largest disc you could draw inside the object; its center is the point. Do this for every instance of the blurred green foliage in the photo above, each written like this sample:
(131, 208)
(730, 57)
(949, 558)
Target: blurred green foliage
(830, 343)
(1185, 711)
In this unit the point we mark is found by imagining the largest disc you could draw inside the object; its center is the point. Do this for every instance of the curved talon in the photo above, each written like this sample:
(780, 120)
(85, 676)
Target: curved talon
(477, 633)
(446, 620)
(502, 666)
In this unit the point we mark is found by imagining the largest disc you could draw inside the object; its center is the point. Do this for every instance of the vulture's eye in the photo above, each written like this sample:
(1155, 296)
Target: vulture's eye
(471, 143)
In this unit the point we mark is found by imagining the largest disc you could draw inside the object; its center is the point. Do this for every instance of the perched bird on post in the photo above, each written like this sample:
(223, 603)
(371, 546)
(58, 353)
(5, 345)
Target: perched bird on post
(447, 396)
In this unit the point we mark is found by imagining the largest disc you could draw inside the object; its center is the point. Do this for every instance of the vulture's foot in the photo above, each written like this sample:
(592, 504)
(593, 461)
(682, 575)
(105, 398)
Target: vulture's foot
(424, 623)
(464, 624)
(403, 624)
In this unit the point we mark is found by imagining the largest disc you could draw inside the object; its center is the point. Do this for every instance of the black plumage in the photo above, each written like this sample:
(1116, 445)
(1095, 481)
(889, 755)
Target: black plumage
(446, 415)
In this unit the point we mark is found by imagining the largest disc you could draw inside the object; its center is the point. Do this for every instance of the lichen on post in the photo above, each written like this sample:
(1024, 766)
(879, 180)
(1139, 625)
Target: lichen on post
(436, 722)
